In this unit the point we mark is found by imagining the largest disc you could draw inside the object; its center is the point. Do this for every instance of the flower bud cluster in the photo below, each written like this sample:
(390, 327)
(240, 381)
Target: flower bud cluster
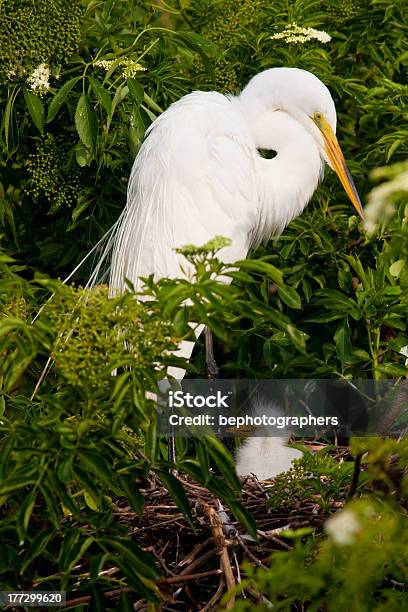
(34, 34)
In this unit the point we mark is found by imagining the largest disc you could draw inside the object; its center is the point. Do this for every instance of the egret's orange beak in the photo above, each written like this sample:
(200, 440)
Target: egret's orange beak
(336, 158)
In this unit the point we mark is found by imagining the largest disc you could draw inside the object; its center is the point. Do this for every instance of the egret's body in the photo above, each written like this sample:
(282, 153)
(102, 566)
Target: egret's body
(199, 174)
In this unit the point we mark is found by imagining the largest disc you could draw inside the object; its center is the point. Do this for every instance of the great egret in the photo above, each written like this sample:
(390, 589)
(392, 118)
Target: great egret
(200, 173)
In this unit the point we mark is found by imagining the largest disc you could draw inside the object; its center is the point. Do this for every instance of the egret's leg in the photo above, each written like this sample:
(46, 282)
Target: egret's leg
(211, 372)
(211, 368)
(171, 450)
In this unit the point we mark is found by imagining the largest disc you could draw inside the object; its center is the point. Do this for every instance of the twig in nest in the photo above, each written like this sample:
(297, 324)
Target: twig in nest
(272, 533)
(228, 528)
(215, 598)
(237, 566)
(282, 543)
(222, 550)
(259, 598)
(249, 554)
(198, 562)
(87, 598)
(193, 554)
(188, 577)
(160, 559)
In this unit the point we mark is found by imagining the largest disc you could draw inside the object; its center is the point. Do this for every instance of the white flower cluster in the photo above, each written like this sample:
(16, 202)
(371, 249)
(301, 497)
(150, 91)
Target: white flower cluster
(17, 72)
(404, 350)
(295, 34)
(39, 79)
(106, 64)
(343, 527)
(129, 67)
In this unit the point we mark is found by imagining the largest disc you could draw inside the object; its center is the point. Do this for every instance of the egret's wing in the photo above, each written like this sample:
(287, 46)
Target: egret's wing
(193, 179)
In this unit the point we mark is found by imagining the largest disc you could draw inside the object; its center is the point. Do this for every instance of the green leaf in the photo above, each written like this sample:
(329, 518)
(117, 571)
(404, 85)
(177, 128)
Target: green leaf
(120, 94)
(72, 550)
(307, 289)
(54, 511)
(135, 90)
(342, 340)
(90, 502)
(13, 484)
(262, 267)
(203, 460)
(97, 563)
(88, 484)
(395, 322)
(37, 546)
(144, 588)
(9, 123)
(224, 460)
(203, 46)
(133, 496)
(324, 317)
(243, 516)
(97, 603)
(35, 108)
(142, 562)
(67, 551)
(63, 492)
(126, 603)
(392, 369)
(86, 123)
(290, 296)
(83, 204)
(5, 451)
(359, 354)
(397, 267)
(24, 515)
(60, 97)
(65, 470)
(180, 321)
(101, 94)
(177, 492)
(150, 102)
(97, 464)
(83, 157)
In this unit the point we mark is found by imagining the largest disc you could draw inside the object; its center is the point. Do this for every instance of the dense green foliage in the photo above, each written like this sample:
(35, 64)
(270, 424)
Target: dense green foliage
(81, 82)
(352, 567)
(85, 437)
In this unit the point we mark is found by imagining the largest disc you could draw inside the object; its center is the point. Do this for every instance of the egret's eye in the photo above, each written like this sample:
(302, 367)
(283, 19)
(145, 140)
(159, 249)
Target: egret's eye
(267, 153)
(318, 116)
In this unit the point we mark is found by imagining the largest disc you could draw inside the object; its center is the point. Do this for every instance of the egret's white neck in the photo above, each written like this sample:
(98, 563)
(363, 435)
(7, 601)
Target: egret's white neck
(286, 182)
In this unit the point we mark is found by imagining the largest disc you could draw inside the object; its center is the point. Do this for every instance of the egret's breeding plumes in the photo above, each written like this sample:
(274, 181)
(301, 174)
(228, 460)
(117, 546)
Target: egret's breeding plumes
(202, 171)
(241, 167)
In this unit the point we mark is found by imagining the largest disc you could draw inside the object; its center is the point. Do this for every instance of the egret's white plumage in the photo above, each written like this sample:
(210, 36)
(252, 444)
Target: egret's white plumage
(199, 174)
(265, 457)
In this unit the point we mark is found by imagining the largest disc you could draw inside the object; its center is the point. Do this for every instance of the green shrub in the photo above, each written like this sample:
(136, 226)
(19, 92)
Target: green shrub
(74, 439)
(360, 562)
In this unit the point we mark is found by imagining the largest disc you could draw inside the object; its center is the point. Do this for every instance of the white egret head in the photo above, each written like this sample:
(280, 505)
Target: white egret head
(304, 98)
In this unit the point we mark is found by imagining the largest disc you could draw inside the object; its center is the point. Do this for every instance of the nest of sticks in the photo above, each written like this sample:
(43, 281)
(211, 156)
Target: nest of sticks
(199, 566)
